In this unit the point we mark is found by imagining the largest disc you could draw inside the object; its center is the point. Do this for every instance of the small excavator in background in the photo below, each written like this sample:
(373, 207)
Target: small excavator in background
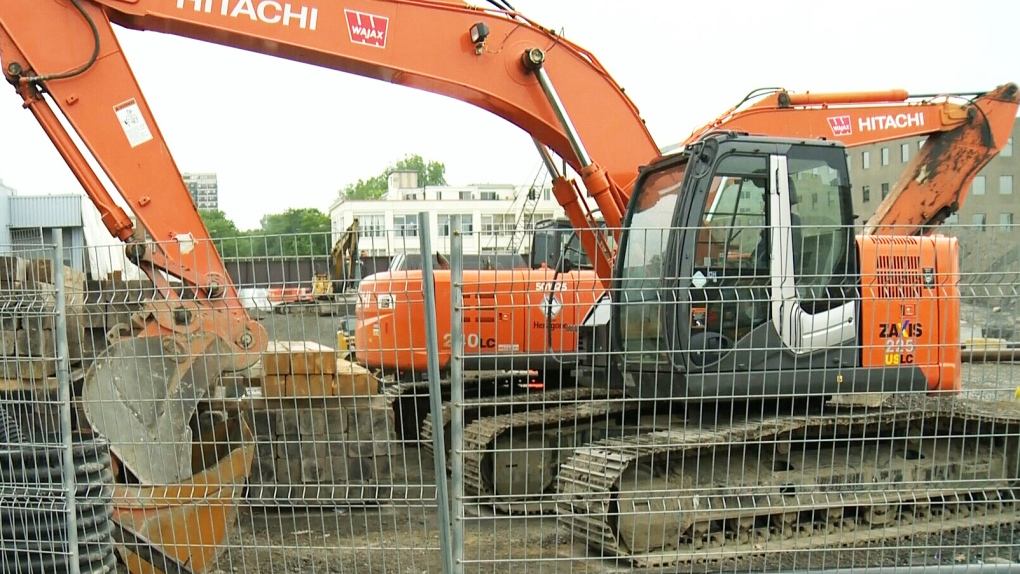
(329, 289)
(143, 391)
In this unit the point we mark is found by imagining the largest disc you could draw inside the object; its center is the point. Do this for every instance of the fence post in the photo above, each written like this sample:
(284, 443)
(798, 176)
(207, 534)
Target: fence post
(435, 392)
(457, 391)
(64, 394)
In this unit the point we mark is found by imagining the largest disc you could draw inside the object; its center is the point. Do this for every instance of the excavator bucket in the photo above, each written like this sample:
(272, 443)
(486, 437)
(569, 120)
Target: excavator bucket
(186, 523)
(141, 394)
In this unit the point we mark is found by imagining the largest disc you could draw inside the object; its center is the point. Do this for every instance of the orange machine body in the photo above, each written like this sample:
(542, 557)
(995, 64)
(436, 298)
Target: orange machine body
(512, 319)
(910, 311)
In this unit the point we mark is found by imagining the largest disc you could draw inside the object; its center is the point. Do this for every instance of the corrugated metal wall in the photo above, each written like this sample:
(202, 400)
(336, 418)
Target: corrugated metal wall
(31, 219)
(45, 211)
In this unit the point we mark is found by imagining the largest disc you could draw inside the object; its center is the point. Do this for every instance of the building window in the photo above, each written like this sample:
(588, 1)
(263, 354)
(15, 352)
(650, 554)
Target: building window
(866, 193)
(1005, 185)
(978, 187)
(952, 218)
(866, 160)
(547, 194)
(531, 218)
(1007, 151)
(373, 225)
(488, 195)
(467, 226)
(498, 224)
(405, 225)
(979, 220)
(465, 196)
(885, 156)
(1005, 222)
(885, 190)
(905, 153)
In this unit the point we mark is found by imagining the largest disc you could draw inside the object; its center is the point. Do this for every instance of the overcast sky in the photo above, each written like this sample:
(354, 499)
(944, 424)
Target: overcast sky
(293, 143)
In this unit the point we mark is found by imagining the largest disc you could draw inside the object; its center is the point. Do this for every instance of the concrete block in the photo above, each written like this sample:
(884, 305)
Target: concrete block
(9, 322)
(263, 466)
(263, 426)
(288, 471)
(369, 469)
(8, 342)
(371, 423)
(287, 449)
(312, 424)
(287, 424)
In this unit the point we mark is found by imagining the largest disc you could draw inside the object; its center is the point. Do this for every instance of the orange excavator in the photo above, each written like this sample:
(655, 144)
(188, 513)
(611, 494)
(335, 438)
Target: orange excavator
(142, 393)
(967, 132)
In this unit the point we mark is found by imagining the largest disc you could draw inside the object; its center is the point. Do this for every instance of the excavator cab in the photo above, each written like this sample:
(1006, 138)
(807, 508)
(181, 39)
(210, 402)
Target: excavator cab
(740, 275)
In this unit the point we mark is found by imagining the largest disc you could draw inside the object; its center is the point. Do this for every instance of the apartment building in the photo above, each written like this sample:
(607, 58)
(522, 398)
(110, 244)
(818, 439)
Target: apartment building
(203, 188)
(494, 217)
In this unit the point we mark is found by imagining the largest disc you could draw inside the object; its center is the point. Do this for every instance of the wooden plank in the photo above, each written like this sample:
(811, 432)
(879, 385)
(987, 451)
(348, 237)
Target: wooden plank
(309, 358)
(353, 379)
(274, 386)
(34, 370)
(311, 385)
(48, 385)
(276, 359)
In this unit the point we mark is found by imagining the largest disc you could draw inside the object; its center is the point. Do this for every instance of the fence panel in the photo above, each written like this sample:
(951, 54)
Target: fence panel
(728, 411)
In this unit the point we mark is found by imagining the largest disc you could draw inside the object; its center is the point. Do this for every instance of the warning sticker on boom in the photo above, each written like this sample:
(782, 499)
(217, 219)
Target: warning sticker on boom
(132, 122)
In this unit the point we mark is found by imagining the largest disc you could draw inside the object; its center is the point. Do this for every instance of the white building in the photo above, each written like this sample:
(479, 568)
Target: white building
(494, 218)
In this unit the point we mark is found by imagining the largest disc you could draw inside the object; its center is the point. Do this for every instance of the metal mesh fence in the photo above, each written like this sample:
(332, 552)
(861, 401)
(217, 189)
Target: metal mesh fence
(709, 408)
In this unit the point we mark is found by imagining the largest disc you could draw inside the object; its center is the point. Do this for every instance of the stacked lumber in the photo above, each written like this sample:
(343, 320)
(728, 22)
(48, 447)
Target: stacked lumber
(328, 426)
(28, 337)
(28, 318)
(108, 303)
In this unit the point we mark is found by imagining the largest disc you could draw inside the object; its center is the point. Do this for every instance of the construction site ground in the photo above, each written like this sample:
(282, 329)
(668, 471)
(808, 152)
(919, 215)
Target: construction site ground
(400, 535)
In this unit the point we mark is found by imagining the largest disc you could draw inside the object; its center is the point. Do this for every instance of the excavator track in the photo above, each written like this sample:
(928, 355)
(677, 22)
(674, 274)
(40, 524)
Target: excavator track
(522, 422)
(823, 480)
(512, 442)
(511, 460)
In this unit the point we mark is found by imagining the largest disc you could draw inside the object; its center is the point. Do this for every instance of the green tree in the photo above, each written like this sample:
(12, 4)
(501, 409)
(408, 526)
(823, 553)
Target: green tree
(293, 233)
(229, 241)
(429, 173)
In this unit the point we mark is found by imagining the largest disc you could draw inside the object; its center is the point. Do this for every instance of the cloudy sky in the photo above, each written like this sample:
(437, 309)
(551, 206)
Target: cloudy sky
(278, 144)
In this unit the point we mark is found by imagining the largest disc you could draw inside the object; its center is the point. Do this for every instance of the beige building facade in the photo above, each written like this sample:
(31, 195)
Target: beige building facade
(992, 202)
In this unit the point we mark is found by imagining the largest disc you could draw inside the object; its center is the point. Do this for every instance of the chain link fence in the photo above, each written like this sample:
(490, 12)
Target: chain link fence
(723, 410)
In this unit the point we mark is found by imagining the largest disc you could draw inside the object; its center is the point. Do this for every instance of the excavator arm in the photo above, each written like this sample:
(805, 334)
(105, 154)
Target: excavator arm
(64, 53)
(964, 131)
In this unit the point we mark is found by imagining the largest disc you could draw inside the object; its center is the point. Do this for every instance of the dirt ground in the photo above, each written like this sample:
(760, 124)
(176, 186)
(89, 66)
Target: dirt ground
(401, 537)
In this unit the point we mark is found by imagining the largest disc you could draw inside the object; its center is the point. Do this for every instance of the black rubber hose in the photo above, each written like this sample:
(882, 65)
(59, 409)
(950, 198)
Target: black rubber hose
(32, 508)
